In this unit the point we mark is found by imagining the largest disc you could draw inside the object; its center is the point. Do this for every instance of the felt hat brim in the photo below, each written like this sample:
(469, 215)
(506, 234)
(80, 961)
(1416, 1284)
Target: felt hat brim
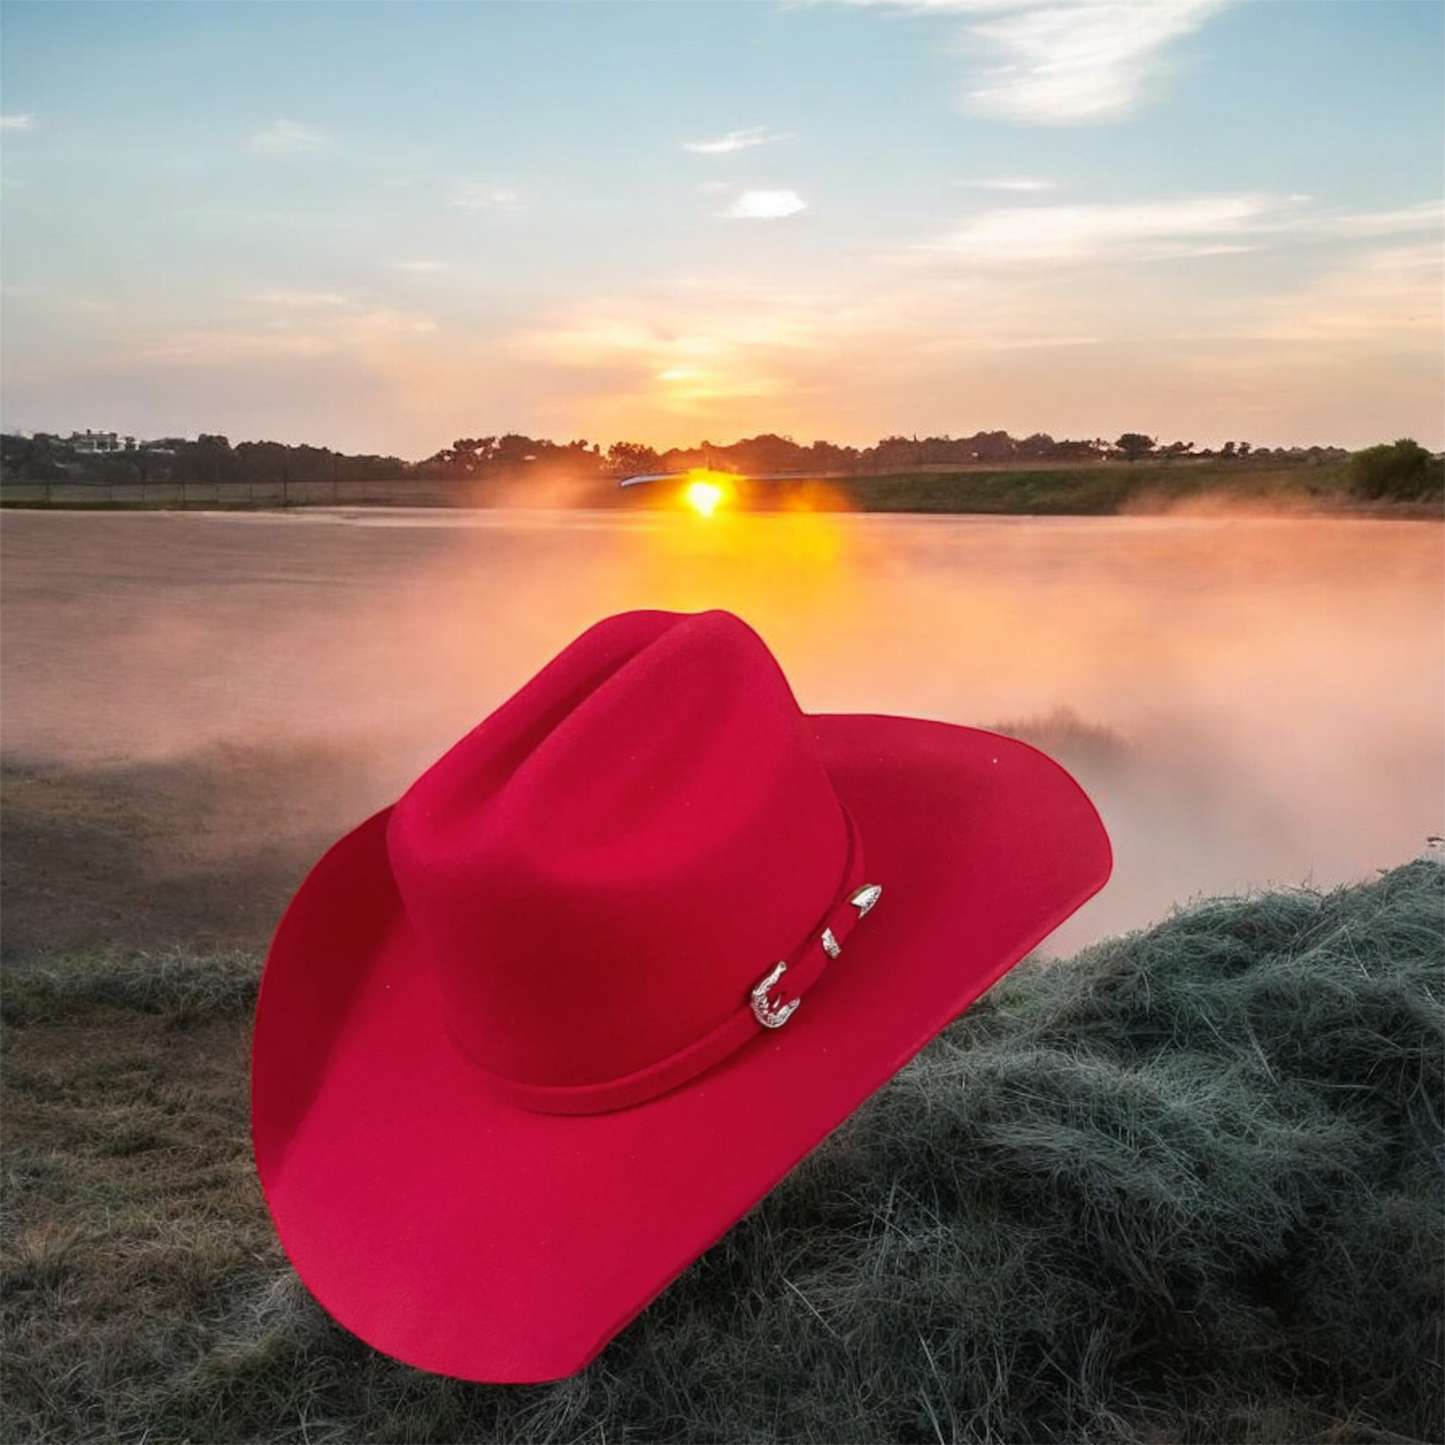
(477, 1239)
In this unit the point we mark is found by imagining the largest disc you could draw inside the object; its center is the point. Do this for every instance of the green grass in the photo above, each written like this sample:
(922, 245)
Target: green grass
(1101, 490)
(1092, 489)
(1183, 1187)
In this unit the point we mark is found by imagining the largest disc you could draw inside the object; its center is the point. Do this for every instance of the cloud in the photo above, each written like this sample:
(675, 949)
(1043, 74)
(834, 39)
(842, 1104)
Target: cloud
(300, 300)
(1208, 225)
(1139, 230)
(420, 268)
(1428, 216)
(1020, 186)
(283, 323)
(705, 350)
(842, 356)
(673, 330)
(734, 140)
(765, 206)
(320, 326)
(226, 347)
(480, 196)
(382, 321)
(17, 122)
(287, 138)
(1060, 62)
(1386, 298)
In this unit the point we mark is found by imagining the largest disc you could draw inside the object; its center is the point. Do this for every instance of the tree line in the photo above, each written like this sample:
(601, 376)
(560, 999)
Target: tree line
(771, 453)
(213, 459)
(207, 459)
(1401, 471)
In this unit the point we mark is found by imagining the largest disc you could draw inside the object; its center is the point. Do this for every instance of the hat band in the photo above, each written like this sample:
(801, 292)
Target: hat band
(794, 975)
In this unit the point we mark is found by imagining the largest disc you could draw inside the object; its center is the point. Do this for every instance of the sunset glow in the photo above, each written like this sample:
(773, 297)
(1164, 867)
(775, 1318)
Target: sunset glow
(1197, 219)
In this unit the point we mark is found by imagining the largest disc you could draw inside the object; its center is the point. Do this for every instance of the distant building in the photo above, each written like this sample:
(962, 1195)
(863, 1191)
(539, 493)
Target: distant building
(100, 441)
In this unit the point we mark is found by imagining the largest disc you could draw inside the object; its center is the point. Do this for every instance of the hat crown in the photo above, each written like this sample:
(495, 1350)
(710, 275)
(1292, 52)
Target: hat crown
(602, 870)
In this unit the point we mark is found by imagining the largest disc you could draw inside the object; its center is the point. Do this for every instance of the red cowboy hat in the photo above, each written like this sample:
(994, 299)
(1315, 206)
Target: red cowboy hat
(532, 1039)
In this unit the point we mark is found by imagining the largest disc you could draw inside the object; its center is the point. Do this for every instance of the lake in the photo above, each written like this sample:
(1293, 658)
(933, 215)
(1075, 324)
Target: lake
(1249, 701)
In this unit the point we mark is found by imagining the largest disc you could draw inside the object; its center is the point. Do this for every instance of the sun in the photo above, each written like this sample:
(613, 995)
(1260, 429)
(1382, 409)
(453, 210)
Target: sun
(704, 496)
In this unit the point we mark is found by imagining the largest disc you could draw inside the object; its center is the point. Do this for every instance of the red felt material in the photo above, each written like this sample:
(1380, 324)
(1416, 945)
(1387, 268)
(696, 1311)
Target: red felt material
(801, 968)
(590, 883)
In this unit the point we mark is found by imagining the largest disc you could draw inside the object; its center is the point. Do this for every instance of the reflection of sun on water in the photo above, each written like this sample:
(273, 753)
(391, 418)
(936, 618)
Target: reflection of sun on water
(1240, 662)
(786, 565)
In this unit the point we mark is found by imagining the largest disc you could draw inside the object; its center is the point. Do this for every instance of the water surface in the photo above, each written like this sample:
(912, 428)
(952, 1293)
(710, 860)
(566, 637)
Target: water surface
(1250, 702)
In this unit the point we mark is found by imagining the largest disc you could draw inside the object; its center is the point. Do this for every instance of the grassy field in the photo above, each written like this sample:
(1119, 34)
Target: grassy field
(1184, 1187)
(1106, 490)
(1096, 489)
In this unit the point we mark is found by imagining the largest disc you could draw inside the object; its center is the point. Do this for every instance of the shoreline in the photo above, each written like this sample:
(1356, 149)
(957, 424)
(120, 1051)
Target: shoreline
(1202, 507)
(1116, 489)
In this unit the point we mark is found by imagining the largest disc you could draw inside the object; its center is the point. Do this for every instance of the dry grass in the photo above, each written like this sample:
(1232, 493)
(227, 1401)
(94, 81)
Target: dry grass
(1185, 1187)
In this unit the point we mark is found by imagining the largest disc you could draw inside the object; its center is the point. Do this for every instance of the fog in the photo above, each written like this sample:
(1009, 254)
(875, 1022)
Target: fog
(1249, 702)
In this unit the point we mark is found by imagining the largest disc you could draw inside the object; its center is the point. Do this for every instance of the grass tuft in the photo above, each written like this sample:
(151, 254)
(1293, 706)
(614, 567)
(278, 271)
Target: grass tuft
(1183, 1187)
(175, 982)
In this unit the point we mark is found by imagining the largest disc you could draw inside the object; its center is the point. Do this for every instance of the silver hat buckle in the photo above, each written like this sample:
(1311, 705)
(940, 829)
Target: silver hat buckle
(770, 1015)
(774, 1016)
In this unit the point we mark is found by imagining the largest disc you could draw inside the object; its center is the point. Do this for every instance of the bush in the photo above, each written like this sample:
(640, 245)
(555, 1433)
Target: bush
(1402, 471)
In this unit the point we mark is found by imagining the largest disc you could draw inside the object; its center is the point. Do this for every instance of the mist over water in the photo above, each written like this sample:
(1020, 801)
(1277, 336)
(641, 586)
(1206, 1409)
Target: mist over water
(1249, 702)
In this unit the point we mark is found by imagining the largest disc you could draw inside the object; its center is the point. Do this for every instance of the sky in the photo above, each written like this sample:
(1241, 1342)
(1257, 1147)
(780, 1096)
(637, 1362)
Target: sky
(379, 227)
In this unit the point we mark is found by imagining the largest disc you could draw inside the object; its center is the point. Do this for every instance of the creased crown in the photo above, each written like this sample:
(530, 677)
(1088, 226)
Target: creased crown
(602, 869)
